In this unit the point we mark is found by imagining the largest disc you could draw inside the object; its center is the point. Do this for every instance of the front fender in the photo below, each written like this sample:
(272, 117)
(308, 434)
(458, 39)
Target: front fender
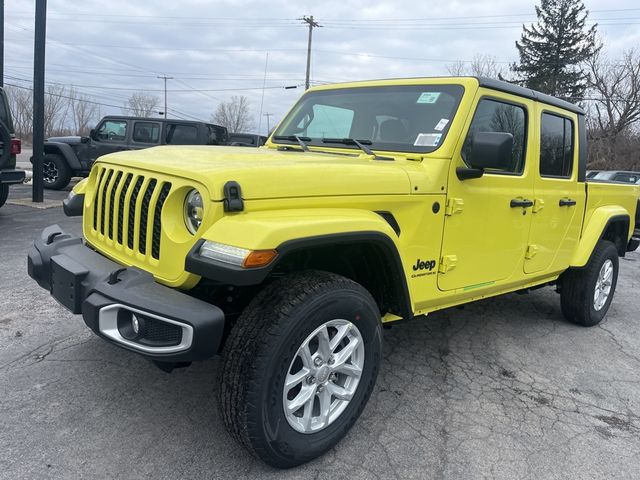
(270, 229)
(66, 151)
(593, 231)
(287, 231)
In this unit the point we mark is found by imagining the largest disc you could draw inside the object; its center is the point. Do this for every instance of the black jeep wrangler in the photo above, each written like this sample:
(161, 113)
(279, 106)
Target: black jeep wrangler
(67, 157)
(10, 147)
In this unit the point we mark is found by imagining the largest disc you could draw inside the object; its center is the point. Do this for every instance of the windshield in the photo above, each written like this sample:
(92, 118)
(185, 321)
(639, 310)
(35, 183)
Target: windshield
(403, 118)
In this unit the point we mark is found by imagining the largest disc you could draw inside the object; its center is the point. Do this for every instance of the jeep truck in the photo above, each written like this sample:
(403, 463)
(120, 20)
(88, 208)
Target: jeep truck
(10, 147)
(73, 156)
(372, 204)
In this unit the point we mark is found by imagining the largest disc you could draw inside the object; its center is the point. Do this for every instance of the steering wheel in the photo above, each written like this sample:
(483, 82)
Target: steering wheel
(5, 138)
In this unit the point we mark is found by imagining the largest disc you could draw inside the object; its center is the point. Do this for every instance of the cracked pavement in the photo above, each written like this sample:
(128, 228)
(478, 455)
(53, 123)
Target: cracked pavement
(499, 389)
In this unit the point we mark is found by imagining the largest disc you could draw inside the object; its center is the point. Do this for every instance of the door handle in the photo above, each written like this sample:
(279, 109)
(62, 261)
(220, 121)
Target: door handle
(567, 202)
(521, 202)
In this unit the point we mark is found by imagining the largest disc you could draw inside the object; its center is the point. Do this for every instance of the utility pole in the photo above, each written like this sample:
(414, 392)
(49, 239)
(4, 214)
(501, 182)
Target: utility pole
(165, 78)
(312, 23)
(1, 43)
(268, 125)
(40, 39)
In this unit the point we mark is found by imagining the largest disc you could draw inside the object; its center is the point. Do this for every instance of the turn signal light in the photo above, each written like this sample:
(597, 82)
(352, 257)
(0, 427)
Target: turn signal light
(259, 258)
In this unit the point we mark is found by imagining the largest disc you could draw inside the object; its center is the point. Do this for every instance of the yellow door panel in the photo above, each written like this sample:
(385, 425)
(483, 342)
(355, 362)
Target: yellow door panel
(555, 228)
(487, 219)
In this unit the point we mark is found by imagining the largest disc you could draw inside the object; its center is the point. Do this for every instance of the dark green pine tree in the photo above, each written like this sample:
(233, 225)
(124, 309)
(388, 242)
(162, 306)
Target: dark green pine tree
(553, 50)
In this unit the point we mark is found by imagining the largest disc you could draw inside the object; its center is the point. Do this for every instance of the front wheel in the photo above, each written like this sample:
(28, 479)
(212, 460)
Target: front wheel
(299, 366)
(586, 293)
(56, 173)
(4, 194)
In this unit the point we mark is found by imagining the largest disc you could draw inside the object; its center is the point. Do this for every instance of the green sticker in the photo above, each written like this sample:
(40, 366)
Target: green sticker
(428, 97)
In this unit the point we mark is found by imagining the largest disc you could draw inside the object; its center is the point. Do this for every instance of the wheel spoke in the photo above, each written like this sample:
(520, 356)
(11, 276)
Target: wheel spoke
(325, 406)
(305, 355)
(308, 411)
(324, 346)
(339, 336)
(294, 379)
(349, 369)
(339, 392)
(306, 394)
(343, 355)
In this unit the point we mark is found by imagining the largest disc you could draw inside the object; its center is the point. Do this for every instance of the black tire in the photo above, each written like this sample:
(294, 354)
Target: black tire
(57, 173)
(259, 353)
(578, 286)
(4, 194)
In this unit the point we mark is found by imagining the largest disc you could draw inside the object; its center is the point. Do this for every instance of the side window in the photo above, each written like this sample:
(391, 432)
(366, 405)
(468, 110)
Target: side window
(627, 177)
(146, 132)
(496, 116)
(180, 134)
(329, 122)
(556, 146)
(112, 131)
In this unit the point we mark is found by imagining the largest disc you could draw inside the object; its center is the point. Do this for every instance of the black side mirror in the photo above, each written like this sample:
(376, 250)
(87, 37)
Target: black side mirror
(92, 133)
(492, 150)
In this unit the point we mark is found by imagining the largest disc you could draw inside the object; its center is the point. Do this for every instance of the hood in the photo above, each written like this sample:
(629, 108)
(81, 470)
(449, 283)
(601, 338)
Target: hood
(267, 173)
(71, 139)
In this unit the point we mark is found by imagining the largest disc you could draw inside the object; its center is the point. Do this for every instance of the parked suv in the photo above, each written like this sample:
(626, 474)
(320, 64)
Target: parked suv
(8, 173)
(72, 156)
(614, 176)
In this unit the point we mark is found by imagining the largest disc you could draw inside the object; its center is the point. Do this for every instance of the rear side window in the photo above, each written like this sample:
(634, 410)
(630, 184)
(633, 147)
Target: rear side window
(146, 132)
(627, 177)
(179, 134)
(495, 116)
(556, 146)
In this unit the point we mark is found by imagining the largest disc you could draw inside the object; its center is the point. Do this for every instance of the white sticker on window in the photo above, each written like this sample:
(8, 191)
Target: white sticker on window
(428, 97)
(441, 124)
(427, 140)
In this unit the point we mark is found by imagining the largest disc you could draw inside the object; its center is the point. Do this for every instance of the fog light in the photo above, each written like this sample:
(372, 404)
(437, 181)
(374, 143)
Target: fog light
(135, 324)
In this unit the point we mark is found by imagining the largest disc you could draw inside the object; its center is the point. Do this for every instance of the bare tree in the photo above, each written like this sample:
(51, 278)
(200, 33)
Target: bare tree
(84, 112)
(614, 111)
(234, 114)
(21, 105)
(141, 104)
(480, 66)
(56, 110)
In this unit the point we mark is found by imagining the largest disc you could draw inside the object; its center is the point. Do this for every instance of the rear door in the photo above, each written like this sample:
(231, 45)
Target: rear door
(559, 197)
(145, 134)
(485, 233)
(176, 133)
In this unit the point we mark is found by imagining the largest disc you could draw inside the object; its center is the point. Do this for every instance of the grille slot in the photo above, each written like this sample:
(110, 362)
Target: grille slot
(158, 333)
(128, 210)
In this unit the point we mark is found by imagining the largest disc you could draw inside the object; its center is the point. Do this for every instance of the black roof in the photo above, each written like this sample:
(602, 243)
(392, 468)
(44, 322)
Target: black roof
(160, 119)
(506, 87)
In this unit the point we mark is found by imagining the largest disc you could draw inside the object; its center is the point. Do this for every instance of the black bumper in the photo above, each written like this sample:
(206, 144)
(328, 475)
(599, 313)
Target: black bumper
(9, 177)
(173, 326)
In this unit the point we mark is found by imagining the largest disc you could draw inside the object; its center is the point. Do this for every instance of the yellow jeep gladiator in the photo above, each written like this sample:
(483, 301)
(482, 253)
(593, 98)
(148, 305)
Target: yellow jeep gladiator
(372, 203)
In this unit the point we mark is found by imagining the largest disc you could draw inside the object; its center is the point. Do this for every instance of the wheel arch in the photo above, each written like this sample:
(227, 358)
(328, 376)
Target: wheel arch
(65, 151)
(606, 223)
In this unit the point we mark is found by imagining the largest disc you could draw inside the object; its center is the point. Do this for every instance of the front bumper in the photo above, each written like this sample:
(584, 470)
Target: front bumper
(9, 177)
(171, 326)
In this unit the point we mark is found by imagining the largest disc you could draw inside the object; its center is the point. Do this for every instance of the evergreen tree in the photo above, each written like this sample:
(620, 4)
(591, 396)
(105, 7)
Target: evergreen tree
(553, 50)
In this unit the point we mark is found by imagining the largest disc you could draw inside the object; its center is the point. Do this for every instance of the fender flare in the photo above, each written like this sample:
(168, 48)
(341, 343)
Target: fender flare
(66, 151)
(293, 231)
(595, 229)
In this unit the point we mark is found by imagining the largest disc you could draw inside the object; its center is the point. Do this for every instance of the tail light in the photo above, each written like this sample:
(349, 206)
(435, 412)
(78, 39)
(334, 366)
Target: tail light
(16, 146)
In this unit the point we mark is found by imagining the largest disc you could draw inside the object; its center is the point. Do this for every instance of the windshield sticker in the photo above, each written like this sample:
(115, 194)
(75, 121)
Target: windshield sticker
(428, 97)
(441, 124)
(427, 140)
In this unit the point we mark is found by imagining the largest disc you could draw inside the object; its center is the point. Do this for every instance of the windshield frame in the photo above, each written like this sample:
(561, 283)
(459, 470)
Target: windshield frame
(456, 89)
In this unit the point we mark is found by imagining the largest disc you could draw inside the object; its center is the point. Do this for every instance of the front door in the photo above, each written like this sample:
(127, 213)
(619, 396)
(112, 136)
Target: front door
(559, 198)
(487, 219)
(110, 136)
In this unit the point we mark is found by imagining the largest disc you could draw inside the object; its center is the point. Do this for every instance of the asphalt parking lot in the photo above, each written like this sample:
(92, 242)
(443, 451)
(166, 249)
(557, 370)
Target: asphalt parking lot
(503, 388)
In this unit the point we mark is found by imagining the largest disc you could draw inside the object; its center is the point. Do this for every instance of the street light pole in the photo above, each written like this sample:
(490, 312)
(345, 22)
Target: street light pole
(165, 78)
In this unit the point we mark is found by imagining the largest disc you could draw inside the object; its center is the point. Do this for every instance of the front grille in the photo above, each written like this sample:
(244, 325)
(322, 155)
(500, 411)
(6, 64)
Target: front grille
(128, 210)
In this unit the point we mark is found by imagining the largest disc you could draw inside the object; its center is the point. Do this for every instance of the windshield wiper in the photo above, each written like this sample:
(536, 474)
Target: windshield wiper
(361, 144)
(295, 138)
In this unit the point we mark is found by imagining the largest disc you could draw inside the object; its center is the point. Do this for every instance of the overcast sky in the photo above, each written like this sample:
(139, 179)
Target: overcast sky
(215, 49)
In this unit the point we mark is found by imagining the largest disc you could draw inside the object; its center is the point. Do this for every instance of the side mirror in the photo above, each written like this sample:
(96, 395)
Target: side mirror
(493, 150)
(92, 134)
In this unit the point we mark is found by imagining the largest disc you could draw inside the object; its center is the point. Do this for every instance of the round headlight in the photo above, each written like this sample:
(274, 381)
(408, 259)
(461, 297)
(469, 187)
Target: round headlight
(193, 211)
